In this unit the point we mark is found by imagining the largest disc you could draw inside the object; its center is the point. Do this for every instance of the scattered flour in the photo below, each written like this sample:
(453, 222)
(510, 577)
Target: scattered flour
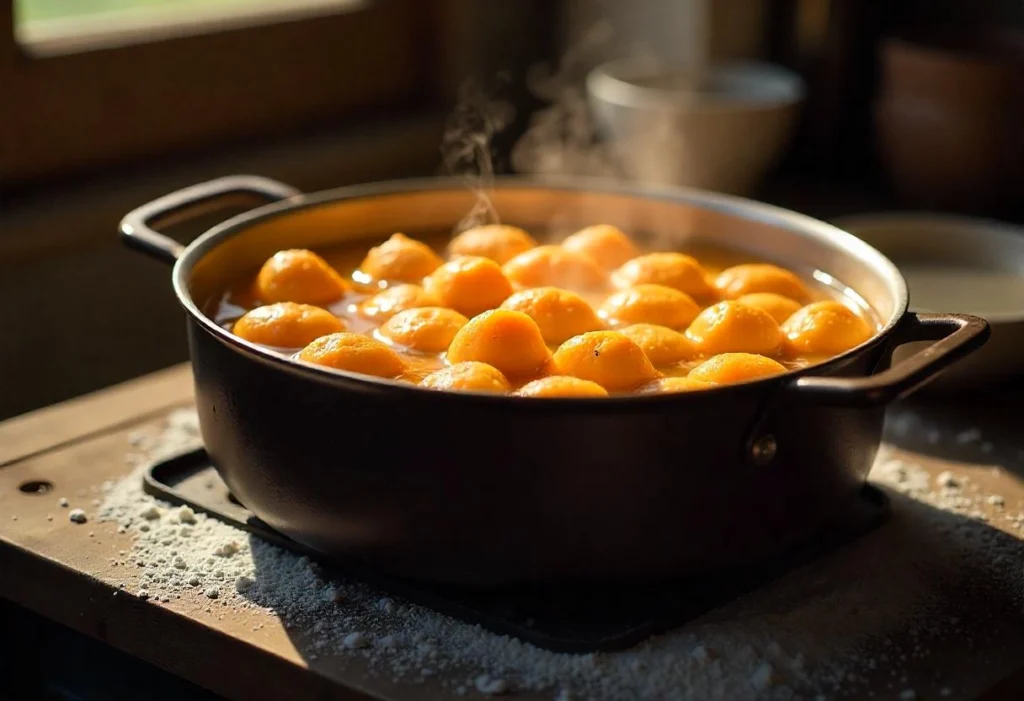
(489, 686)
(356, 641)
(971, 435)
(820, 632)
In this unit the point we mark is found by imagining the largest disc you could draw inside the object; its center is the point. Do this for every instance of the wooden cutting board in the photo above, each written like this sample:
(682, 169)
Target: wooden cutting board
(64, 571)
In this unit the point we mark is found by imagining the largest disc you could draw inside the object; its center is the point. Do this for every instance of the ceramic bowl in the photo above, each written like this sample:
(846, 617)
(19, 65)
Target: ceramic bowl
(723, 136)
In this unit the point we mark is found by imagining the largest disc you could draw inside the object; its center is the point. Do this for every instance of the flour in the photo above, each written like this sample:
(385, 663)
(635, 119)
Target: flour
(820, 632)
(489, 686)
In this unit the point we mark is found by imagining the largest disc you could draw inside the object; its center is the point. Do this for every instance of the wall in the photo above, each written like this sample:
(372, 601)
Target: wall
(958, 13)
(667, 28)
(78, 312)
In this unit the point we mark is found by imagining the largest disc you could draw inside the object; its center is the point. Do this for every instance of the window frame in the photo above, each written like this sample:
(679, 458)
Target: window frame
(66, 109)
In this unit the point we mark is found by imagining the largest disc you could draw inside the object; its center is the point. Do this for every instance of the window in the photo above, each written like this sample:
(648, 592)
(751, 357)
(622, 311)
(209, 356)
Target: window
(90, 82)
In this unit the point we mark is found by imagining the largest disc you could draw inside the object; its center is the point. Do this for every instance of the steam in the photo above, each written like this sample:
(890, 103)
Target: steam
(562, 138)
(467, 146)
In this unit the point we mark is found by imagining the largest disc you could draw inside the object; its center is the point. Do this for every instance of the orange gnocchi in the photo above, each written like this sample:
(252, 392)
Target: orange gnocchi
(495, 241)
(650, 304)
(400, 259)
(730, 327)
(469, 376)
(355, 353)
(510, 341)
(676, 270)
(286, 324)
(469, 285)
(560, 314)
(671, 385)
(780, 308)
(604, 244)
(607, 358)
(730, 368)
(554, 266)
(825, 328)
(749, 278)
(385, 304)
(561, 386)
(660, 344)
(512, 313)
(299, 276)
(425, 329)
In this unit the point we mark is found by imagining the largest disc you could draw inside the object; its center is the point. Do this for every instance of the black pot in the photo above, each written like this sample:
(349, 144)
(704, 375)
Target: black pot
(487, 489)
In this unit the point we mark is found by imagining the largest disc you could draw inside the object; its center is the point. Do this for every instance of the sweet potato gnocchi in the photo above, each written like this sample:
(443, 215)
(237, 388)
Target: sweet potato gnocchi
(301, 277)
(561, 386)
(495, 241)
(425, 329)
(650, 304)
(287, 324)
(560, 314)
(604, 244)
(468, 284)
(508, 312)
(400, 259)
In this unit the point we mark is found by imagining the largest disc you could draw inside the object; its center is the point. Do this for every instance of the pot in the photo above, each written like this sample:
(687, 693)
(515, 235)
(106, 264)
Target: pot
(948, 118)
(486, 489)
(977, 68)
(943, 156)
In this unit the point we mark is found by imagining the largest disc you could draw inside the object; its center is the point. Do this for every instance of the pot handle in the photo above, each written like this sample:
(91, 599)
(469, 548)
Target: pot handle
(138, 228)
(957, 336)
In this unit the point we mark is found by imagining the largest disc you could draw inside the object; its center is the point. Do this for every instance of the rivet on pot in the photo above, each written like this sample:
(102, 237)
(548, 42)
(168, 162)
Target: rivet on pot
(763, 449)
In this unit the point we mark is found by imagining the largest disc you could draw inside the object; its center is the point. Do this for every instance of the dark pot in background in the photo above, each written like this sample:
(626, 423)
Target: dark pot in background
(948, 119)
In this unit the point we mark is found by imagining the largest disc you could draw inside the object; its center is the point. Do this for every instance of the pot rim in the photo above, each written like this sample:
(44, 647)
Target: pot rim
(814, 229)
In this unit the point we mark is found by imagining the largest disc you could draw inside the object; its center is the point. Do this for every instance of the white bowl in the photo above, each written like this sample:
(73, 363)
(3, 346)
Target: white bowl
(723, 137)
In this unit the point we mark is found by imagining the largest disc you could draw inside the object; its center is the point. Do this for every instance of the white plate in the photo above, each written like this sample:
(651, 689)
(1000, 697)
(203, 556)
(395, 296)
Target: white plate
(958, 264)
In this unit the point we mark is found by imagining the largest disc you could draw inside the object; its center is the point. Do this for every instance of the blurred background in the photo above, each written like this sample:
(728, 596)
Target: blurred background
(829, 107)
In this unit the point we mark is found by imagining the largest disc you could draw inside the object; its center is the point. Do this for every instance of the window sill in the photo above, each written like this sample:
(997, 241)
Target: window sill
(77, 34)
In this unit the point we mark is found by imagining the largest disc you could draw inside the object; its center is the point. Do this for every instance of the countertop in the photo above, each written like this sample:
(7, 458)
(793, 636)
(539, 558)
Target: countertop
(63, 571)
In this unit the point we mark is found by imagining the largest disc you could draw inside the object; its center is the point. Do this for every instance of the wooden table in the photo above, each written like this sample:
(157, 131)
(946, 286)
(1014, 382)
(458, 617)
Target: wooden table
(64, 572)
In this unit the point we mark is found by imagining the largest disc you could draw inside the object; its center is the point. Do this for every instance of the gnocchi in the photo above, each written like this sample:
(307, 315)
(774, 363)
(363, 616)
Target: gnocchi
(507, 312)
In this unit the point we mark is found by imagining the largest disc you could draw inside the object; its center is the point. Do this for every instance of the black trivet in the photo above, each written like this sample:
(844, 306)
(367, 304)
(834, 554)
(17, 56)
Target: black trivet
(579, 617)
